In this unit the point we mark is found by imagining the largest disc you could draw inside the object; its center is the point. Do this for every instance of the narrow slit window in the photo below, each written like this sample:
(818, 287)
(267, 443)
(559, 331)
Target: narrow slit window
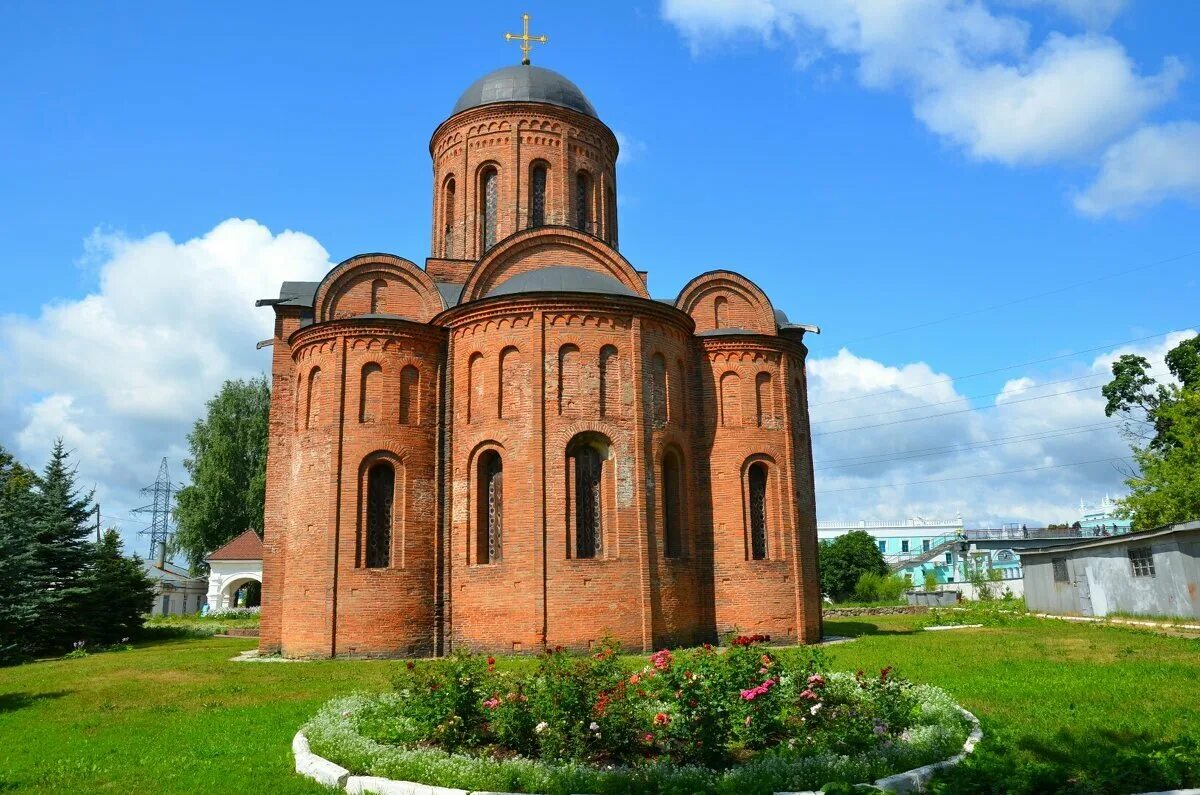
(490, 501)
(381, 489)
(757, 487)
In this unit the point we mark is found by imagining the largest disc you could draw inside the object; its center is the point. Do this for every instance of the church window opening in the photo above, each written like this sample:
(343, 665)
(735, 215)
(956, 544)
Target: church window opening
(757, 487)
(448, 219)
(583, 201)
(568, 378)
(610, 216)
(489, 193)
(537, 196)
(313, 409)
(370, 396)
(764, 398)
(610, 382)
(490, 503)
(378, 297)
(410, 383)
(589, 501)
(731, 400)
(381, 489)
(672, 490)
(658, 391)
(721, 312)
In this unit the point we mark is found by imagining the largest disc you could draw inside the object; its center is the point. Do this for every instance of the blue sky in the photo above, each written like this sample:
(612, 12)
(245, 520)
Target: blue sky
(872, 171)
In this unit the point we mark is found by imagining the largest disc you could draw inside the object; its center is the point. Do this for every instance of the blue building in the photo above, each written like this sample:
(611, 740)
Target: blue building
(912, 547)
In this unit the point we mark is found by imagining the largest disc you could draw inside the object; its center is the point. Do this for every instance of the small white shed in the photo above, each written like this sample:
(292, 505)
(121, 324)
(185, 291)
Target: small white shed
(232, 567)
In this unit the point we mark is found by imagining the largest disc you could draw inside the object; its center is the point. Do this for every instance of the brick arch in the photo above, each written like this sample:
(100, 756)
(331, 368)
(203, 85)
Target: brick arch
(347, 289)
(532, 249)
(743, 304)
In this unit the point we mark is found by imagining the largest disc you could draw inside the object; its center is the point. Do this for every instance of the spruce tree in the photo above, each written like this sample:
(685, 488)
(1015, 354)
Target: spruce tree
(20, 602)
(62, 554)
(120, 593)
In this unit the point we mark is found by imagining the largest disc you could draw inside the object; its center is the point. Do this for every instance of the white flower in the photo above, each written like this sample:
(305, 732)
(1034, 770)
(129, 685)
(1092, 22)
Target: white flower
(595, 726)
(541, 727)
(815, 708)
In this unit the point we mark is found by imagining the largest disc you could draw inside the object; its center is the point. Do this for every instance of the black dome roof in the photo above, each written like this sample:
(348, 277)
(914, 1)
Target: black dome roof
(524, 84)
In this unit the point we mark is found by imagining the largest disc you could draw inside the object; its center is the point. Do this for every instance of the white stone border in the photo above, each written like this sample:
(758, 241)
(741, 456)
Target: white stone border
(328, 774)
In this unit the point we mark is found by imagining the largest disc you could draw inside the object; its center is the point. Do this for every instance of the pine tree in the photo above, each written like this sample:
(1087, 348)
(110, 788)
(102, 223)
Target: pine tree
(120, 593)
(62, 554)
(20, 604)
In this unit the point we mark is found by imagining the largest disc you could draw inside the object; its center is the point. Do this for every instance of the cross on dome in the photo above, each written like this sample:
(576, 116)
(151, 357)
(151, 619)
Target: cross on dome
(525, 39)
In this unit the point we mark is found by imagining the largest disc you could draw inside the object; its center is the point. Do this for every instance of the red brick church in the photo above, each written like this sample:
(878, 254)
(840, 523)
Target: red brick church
(516, 445)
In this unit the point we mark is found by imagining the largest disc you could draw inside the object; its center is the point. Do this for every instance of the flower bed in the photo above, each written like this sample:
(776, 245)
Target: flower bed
(738, 720)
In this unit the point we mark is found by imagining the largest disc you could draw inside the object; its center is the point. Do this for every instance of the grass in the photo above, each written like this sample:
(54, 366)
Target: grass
(1064, 706)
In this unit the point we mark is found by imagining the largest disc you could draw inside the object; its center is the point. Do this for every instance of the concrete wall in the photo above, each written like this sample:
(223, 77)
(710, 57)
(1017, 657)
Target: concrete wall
(1100, 579)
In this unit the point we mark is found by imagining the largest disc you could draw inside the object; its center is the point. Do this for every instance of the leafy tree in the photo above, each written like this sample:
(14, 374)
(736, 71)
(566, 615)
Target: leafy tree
(120, 593)
(61, 553)
(1168, 487)
(1136, 397)
(20, 604)
(847, 558)
(228, 466)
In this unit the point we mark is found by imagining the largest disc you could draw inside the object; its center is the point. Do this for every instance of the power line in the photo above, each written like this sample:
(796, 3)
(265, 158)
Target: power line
(959, 411)
(1023, 299)
(931, 452)
(972, 477)
(960, 399)
(159, 528)
(998, 369)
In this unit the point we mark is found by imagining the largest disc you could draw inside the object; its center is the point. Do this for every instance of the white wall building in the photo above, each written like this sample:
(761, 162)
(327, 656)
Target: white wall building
(233, 566)
(176, 591)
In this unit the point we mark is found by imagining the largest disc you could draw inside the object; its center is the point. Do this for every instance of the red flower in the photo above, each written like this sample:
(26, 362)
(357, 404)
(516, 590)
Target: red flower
(661, 719)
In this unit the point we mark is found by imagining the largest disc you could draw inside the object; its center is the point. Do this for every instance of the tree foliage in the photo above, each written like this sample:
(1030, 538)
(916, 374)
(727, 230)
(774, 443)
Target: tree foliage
(228, 467)
(1163, 421)
(58, 587)
(845, 559)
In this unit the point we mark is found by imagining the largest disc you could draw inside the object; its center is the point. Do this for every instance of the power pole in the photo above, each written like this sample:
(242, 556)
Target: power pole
(97, 512)
(160, 514)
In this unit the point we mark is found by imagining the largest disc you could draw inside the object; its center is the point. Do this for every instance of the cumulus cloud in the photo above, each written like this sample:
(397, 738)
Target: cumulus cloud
(973, 76)
(1157, 162)
(878, 426)
(122, 373)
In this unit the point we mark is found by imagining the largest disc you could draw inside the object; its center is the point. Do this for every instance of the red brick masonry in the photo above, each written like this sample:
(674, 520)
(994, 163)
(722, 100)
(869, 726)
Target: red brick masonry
(381, 368)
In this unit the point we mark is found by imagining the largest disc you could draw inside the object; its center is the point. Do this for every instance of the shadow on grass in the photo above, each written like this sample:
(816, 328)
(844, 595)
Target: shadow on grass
(1076, 762)
(856, 629)
(11, 702)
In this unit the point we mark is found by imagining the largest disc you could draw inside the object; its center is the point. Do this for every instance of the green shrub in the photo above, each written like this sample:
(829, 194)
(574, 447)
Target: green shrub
(873, 587)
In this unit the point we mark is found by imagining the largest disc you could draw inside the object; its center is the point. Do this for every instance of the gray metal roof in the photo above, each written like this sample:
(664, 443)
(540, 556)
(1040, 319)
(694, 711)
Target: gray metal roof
(560, 279)
(1121, 538)
(297, 293)
(450, 293)
(524, 84)
(723, 332)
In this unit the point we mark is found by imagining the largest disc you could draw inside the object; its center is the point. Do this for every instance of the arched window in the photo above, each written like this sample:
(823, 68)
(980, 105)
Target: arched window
(586, 474)
(583, 201)
(756, 489)
(764, 397)
(672, 490)
(381, 490)
(537, 195)
(489, 502)
(488, 201)
(448, 219)
(370, 397)
(509, 395)
(721, 312)
(410, 396)
(610, 222)
(313, 404)
(568, 378)
(731, 400)
(474, 386)
(378, 297)
(658, 390)
(610, 382)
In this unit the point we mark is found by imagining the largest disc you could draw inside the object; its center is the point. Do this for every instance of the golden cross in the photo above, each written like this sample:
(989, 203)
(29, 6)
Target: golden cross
(525, 38)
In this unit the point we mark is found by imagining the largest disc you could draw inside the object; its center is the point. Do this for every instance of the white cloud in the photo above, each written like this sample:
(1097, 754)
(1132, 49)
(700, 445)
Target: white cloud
(972, 75)
(628, 148)
(1040, 421)
(123, 372)
(1155, 163)
(1092, 14)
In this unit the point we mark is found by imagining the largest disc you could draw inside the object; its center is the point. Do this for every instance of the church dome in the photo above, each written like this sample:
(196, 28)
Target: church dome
(525, 84)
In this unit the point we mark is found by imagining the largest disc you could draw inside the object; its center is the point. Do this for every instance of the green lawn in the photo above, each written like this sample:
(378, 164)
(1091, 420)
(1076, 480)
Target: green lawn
(1062, 705)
